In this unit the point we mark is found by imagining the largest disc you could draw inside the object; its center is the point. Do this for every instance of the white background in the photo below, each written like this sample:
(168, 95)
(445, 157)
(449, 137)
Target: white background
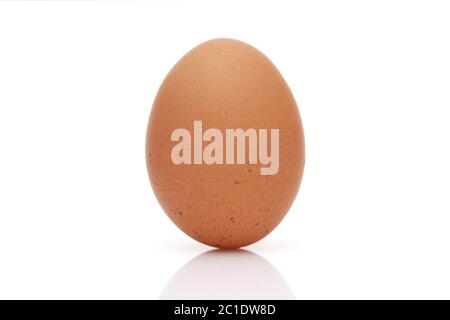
(78, 218)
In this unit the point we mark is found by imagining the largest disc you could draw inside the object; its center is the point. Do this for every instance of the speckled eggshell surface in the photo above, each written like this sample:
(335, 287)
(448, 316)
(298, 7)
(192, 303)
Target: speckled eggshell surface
(225, 84)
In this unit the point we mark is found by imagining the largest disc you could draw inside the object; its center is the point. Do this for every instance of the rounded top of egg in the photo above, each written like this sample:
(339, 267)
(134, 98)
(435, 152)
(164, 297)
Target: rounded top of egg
(225, 145)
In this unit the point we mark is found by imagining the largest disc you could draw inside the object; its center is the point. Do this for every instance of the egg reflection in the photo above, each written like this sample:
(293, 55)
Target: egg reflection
(218, 274)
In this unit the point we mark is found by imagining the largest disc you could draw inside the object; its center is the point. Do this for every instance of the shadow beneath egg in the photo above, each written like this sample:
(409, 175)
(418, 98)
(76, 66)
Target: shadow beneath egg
(227, 274)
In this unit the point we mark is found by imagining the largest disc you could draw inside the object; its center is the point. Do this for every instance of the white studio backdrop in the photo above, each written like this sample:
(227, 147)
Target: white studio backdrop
(78, 218)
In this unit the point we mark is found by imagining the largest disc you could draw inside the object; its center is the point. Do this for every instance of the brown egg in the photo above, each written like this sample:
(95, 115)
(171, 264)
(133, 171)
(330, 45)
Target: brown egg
(225, 145)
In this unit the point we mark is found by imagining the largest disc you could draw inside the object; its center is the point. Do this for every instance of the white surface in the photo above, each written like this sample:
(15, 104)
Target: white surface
(78, 218)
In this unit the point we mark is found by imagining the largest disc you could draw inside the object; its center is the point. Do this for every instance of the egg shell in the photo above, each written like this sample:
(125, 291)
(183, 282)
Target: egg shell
(226, 84)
